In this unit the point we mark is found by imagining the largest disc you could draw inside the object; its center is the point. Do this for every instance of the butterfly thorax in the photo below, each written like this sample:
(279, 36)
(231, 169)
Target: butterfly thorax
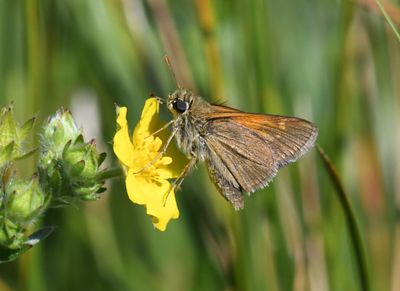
(189, 112)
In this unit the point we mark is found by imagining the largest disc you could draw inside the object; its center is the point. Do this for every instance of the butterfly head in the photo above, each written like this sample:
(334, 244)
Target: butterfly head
(180, 101)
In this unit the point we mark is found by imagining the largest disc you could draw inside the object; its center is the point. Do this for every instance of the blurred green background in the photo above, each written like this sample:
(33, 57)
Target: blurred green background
(336, 63)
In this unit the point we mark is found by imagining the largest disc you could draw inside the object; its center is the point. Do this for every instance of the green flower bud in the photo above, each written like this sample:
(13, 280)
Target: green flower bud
(11, 235)
(59, 130)
(24, 201)
(69, 166)
(81, 163)
(80, 158)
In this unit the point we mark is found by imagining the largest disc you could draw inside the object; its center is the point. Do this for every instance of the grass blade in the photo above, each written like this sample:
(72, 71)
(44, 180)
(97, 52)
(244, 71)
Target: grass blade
(351, 220)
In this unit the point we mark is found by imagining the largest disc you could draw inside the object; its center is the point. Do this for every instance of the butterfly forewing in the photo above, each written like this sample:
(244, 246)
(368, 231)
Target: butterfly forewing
(288, 137)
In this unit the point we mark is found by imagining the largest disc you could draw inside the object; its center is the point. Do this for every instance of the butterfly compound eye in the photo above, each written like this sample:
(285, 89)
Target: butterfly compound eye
(181, 106)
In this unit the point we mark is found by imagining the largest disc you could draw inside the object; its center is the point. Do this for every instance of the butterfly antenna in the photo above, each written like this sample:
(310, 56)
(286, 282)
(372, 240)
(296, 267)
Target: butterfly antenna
(166, 59)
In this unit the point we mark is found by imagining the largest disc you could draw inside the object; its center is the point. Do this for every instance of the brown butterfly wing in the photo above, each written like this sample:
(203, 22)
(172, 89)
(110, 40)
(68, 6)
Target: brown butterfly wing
(288, 137)
(223, 179)
(250, 148)
(240, 160)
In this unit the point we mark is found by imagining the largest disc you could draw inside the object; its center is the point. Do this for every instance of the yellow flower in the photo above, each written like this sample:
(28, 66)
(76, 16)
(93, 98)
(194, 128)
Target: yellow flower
(150, 186)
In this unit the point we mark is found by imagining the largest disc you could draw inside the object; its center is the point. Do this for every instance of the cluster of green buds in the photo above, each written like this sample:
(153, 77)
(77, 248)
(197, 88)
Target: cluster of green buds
(68, 169)
(69, 166)
(22, 201)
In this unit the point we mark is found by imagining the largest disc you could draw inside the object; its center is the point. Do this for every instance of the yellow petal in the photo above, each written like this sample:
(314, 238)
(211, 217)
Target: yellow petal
(165, 172)
(165, 161)
(151, 192)
(122, 144)
(149, 121)
(179, 159)
(166, 212)
(165, 169)
(138, 188)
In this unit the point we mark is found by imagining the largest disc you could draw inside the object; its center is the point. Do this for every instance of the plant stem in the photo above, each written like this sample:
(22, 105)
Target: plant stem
(111, 174)
(354, 230)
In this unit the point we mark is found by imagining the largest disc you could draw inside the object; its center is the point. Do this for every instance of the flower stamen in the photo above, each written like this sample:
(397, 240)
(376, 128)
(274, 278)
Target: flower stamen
(160, 153)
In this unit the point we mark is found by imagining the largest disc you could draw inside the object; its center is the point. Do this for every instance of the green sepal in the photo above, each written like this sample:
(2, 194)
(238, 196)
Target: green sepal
(26, 128)
(27, 154)
(6, 153)
(79, 140)
(101, 158)
(77, 169)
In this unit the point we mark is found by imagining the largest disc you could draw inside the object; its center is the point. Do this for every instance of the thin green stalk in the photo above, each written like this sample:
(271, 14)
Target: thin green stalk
(110, 174)
(388, 19)
(351, 220)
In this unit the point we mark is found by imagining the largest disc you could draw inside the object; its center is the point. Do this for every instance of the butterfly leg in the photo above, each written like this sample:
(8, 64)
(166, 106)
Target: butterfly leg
(178, 181)
(162, 128)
